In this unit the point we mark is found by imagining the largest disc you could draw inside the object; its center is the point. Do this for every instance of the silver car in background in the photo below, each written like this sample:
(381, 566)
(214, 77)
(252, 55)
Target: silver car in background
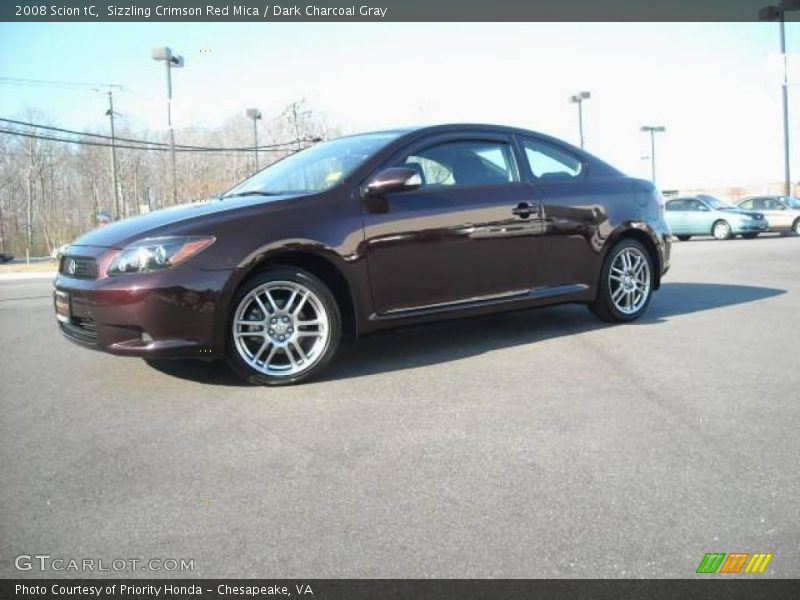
(706, 215)
(782, 212)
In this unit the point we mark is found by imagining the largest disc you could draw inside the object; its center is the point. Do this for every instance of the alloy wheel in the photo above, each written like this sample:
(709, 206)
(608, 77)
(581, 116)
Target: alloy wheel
(281, 328)
(629, 280)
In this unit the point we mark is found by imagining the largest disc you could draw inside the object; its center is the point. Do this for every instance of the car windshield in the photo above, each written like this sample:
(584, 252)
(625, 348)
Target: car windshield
(315, 169)
(791, 201)
(716, 203)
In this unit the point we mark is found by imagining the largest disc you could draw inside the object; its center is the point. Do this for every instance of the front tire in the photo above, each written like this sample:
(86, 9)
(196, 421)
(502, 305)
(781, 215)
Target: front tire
(684, 238)
(626, 283)
(721, 230)
(796, 226)
(284, 327)
(749, 236)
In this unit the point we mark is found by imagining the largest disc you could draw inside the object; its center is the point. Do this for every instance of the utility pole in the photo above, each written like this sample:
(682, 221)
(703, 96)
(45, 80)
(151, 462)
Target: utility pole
(255, 115)
(295, 119)
(653, 129)
(114, 180)
(29, 248)
(296, 124)
(2, 230)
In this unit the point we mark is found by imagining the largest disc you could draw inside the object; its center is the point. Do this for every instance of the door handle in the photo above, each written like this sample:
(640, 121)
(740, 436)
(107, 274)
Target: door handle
(524, 210)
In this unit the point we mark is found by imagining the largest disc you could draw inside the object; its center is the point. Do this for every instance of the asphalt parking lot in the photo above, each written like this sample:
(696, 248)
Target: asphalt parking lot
(533, 444)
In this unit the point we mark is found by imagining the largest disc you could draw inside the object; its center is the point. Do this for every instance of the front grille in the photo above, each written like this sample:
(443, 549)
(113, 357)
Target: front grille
(84, 267)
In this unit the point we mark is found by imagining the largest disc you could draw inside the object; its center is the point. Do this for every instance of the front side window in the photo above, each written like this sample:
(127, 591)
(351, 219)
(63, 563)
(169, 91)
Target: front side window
(464, 163)
(674, 205)
(549, 162)
(696, 205)
(315, 169)
(791, 201)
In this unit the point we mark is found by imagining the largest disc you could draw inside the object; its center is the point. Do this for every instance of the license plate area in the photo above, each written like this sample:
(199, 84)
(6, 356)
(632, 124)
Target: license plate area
(63, 308)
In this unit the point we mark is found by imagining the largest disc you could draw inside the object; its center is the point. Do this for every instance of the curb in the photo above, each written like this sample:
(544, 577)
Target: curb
(24, 276)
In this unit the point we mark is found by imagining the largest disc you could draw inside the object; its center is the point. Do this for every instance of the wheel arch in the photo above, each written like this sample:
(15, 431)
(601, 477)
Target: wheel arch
(644, 236)
(318, 264)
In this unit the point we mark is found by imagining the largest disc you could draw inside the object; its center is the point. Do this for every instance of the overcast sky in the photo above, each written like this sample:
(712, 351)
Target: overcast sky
(715, 86)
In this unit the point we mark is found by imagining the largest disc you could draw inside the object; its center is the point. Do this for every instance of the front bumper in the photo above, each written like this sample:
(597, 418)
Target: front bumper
(170, 314)
(755, 226)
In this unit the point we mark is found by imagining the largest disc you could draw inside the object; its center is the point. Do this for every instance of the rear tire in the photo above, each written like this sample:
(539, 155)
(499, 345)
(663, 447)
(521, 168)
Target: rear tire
(749, 236)
(284, 327)
(796, 226)
(684, 238)
(626, 283)
(721, 230)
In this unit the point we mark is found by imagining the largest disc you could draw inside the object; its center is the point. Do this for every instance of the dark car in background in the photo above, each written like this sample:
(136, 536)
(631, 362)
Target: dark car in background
(363, 233)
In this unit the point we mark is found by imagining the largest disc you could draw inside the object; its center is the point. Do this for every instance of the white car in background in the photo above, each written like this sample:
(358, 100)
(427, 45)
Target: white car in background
(782, 212)
(57, 253)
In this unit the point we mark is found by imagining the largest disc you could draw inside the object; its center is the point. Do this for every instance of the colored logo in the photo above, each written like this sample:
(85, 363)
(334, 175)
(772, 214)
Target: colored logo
(733, 563)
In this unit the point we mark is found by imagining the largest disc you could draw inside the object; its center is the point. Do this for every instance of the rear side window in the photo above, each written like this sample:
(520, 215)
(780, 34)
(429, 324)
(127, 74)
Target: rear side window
(747, 204)
(464, 163)
(550, 162)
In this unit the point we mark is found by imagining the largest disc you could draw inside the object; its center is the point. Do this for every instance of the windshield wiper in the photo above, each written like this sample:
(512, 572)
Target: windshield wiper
(251, 193)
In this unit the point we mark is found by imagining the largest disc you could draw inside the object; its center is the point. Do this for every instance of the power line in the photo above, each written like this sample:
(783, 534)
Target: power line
(129, 147)
(53, 83)
(135, 141)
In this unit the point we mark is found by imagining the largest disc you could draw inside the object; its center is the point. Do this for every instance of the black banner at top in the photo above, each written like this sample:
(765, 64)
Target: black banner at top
(265, 11)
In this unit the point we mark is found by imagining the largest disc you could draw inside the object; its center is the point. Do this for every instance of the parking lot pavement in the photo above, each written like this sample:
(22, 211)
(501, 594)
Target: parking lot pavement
(533, 444)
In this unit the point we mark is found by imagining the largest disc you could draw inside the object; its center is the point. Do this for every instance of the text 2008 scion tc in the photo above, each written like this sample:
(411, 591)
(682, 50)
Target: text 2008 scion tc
(362, 233)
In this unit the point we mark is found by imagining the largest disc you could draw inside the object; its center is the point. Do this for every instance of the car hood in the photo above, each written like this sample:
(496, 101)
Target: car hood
(121, 233)
(741, 211)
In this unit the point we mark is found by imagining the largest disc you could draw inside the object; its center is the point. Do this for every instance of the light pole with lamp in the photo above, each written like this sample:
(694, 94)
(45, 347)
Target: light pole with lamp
(255, 115)
(776, 13)
(172, 61)
(578, 99)
(652, 130)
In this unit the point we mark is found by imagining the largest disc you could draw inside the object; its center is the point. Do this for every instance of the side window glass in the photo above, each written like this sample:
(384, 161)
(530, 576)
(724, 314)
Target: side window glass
(464, 163)
(549, 162)
(674, 205)
(748, 204)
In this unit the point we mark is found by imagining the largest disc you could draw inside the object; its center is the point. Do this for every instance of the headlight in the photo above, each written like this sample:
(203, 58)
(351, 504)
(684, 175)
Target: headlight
(156, 254)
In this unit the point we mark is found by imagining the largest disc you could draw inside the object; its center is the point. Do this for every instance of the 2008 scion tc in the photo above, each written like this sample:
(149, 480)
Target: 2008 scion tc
(363, 233)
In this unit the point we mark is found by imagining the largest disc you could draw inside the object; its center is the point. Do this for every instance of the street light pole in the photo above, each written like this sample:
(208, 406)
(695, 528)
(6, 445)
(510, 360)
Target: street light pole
(578, 99)
(255, 115)
(777, 13)
(653, 129)
(172, 60)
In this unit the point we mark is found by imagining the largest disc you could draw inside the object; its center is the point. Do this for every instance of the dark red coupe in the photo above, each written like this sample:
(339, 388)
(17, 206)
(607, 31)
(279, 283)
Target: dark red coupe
(362, 233)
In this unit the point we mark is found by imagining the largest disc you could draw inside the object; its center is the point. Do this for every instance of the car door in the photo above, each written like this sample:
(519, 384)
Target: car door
(470, 232)
(699, 217)
(572, 211)
(779, 213)
(676, 216)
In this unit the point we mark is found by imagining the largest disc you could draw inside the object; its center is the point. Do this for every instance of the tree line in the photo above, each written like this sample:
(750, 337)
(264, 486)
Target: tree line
(52, 191)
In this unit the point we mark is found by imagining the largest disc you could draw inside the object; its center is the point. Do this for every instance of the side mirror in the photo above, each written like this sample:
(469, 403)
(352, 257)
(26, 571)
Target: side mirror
(393, 179)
